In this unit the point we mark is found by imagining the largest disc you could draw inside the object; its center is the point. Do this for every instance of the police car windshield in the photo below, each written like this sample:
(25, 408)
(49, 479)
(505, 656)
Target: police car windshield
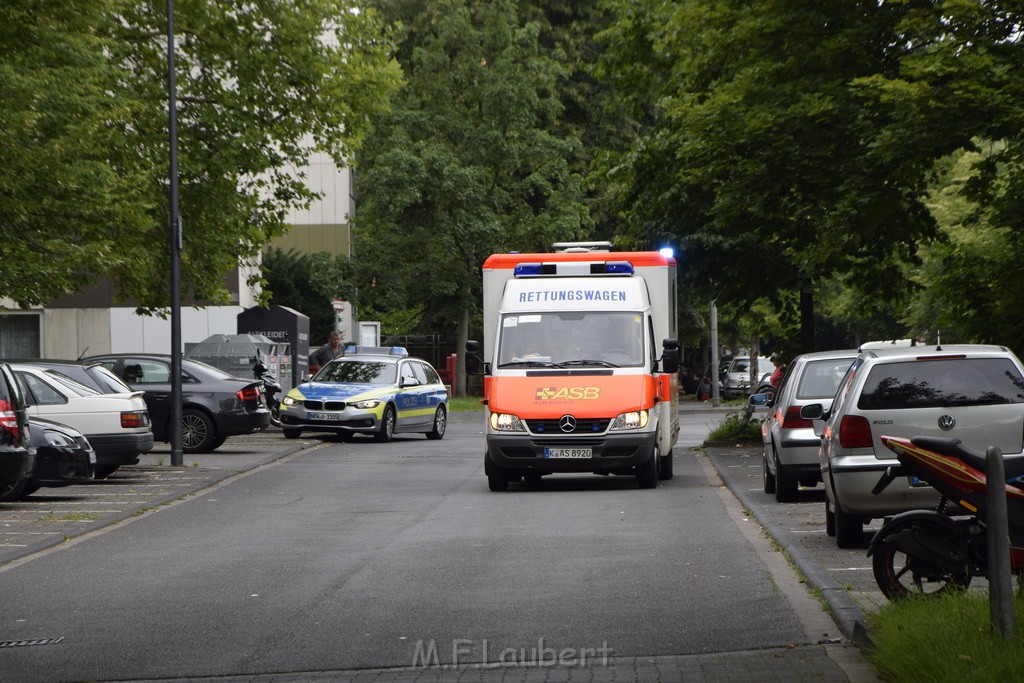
(561, 338)
(358, 372)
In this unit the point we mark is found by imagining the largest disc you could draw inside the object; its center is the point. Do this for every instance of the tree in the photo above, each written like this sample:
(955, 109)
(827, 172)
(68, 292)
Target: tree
(465, 164)
(260, 87)
(309, 283)
(793, 142)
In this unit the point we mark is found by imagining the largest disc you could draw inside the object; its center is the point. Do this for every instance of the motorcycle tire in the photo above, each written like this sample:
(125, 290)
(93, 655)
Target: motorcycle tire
(900, 575)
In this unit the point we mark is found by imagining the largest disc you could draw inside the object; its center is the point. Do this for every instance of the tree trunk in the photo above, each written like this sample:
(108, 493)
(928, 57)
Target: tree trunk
(461, 336)
(807, 344)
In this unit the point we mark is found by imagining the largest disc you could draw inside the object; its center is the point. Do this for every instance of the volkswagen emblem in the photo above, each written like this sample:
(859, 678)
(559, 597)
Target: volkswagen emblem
(567, 423)
(946, 422)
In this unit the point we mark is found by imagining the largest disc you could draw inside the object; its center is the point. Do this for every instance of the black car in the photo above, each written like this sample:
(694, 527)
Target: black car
(63, 456)
(17, 455)
(215, 405)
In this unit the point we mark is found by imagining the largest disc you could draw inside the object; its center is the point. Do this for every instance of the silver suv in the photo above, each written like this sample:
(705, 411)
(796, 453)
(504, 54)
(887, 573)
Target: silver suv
(789, 456)
(736, 381)
(971, 392)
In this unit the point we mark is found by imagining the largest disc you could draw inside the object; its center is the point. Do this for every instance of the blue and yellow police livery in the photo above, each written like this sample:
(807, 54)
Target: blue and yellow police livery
(369, 394)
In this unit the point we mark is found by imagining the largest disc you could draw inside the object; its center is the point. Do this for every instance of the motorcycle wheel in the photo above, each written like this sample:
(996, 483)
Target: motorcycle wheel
(900, 575)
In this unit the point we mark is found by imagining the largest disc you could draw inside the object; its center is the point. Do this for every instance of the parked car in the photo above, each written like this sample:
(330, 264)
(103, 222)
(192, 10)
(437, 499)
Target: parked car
(974, 393)
(17, 455)
(736, 381)
(368, 394)
(117, 425)
(91, 374)
(63, 456)
(215, 405)
(789, 455)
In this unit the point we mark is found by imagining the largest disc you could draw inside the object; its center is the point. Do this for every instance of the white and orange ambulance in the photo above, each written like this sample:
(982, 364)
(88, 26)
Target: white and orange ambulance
(580, 362)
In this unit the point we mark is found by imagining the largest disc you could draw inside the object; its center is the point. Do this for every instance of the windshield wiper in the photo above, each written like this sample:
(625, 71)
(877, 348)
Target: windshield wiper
(587, 361)
(529, 364)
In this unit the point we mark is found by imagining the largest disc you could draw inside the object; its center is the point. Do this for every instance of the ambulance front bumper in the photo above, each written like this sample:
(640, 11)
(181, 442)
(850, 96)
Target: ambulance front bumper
(604, 453)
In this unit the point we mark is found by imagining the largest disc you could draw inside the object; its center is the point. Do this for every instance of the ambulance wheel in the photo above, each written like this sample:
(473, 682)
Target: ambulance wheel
(666, 467)
(497, 479)
(647, 474)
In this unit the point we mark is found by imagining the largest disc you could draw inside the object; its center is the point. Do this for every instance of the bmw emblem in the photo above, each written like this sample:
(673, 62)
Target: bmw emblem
(567, 424)
(946, 422)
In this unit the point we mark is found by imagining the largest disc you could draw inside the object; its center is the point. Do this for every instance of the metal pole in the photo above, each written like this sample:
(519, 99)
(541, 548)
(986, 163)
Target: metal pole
(177, 458)
(714, 353)
(1000, 582)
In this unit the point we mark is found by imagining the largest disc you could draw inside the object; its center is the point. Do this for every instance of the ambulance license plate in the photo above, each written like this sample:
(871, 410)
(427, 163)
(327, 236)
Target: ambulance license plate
(324, 417)
(567, 453)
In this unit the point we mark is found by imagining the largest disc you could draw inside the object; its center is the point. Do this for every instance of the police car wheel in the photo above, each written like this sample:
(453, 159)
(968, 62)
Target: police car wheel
(387, 425)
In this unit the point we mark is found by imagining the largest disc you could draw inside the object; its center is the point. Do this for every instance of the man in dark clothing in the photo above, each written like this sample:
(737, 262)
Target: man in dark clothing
(328, 352)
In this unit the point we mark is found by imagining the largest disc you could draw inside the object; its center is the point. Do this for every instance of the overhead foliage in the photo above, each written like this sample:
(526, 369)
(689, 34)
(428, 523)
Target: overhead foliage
(260, 87)
(468, 162)
(792, 142)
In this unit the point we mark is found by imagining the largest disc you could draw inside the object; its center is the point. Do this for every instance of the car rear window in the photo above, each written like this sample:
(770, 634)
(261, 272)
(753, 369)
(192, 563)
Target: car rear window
(942, 383)
(821, 378)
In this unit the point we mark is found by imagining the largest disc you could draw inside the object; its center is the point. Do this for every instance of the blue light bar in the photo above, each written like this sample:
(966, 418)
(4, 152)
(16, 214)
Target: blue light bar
(527, 269)
(618, 268)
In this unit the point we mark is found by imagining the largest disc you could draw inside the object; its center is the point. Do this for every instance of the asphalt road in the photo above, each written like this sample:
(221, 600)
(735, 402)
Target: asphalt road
(357, 560)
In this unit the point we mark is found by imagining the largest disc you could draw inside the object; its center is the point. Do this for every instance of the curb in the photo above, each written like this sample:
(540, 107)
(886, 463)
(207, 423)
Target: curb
(844, 610)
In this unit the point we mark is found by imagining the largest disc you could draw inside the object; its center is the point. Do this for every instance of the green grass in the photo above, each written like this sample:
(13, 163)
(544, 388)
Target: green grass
(465, 404)
(945, 638)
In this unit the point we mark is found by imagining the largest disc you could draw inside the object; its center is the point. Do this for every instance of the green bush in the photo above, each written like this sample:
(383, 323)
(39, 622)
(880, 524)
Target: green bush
(737, 427)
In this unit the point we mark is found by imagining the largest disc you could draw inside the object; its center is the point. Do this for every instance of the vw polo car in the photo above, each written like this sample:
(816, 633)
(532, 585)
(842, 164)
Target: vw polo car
(380, 394)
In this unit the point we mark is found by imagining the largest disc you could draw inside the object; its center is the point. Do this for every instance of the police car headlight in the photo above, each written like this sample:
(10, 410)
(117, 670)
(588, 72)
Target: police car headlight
(504, 422)
(369, 404)
(636, 419)
(289, 401)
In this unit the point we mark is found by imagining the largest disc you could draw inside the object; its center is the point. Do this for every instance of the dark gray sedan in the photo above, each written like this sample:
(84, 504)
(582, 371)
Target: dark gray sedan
(215, 405)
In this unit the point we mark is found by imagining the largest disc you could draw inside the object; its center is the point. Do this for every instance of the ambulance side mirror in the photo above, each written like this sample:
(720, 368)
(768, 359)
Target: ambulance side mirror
(473, 358)
(670, 356)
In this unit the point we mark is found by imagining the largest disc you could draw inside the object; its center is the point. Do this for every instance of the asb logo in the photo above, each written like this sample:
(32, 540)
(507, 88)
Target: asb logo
(568, 393)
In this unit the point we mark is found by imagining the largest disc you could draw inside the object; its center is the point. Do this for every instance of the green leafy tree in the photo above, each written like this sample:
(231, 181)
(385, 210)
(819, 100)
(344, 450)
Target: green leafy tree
(260, 86)
(466, 163)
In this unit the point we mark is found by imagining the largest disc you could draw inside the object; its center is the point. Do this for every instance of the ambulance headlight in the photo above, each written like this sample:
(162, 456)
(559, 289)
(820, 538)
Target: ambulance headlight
(504, 422)
(636, 419)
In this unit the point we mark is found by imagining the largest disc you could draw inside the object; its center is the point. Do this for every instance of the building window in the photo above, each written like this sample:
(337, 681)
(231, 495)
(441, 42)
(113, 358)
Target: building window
(20, 335)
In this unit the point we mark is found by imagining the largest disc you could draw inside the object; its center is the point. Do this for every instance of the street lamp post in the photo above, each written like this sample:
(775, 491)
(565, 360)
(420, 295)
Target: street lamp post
(177, 458)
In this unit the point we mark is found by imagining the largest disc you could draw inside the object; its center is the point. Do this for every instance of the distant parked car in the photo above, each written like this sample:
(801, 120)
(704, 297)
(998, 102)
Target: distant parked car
(736, 381)
(91, 374)
(790, 447)
(17, 455)
(117, 425)
(370, 394)
(63, 457)
(215, 405)
(970, 392)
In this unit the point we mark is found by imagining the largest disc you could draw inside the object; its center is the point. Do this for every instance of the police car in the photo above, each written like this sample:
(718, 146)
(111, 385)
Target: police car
(378, 391)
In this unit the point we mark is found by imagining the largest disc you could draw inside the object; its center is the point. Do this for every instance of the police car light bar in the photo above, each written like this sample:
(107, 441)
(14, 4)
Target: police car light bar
(573, 268)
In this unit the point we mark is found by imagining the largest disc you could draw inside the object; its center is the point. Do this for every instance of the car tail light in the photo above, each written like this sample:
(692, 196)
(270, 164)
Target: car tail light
(250, 393)
(854, 432)
(794, 421)
(9, 420)
(134, 419)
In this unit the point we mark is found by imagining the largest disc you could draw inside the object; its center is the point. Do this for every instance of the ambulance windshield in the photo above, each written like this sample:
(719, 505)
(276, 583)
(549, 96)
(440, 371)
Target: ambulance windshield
(567, 338)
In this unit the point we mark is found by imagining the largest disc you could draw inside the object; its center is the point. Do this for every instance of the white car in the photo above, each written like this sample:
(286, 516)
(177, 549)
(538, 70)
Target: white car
(116, 425)
(970, 392)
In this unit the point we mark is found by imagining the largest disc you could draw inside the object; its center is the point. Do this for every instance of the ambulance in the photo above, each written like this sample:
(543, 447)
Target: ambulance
(580, 361)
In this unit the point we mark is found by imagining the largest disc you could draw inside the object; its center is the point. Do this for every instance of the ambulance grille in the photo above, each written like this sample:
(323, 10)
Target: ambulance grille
(583, 426)
(313, 404)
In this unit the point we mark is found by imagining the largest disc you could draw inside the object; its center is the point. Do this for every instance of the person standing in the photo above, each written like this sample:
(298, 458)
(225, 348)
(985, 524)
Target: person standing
(329, 351)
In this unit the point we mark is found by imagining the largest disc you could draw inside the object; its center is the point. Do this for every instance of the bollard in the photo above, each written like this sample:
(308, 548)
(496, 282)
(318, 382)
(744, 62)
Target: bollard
(1000, 585)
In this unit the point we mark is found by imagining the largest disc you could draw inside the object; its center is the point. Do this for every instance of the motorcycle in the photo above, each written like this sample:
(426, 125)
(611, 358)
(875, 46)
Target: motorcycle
(933, 551)
(271, 388)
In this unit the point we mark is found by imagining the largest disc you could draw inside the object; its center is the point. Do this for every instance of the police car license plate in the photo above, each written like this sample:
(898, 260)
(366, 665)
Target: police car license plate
(324, 417)
(567, 452)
